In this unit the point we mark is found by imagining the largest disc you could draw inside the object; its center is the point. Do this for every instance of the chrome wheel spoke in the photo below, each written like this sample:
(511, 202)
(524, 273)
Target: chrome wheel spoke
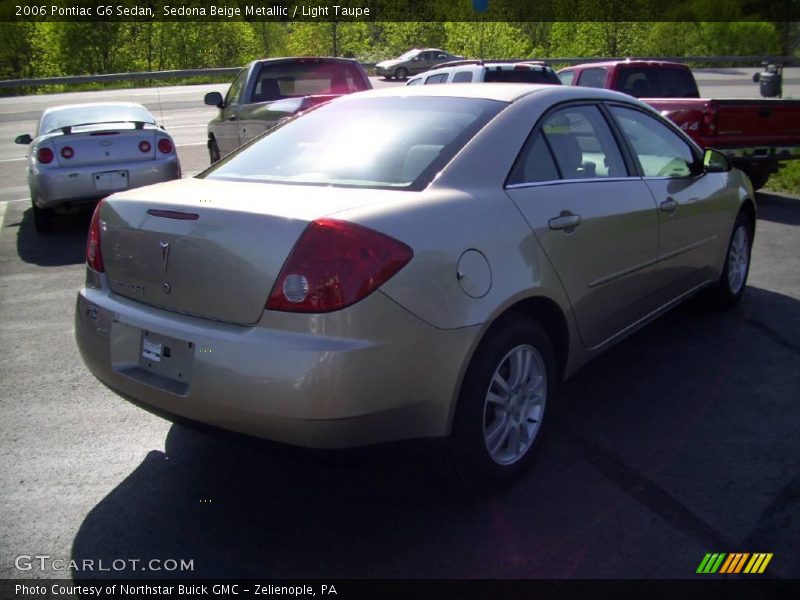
(514, 405)
(497, 434)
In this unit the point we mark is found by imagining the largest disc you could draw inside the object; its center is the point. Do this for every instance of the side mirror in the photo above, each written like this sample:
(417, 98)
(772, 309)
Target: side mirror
(24, 139)
(214, 99)
(716, 162)
(756, 77)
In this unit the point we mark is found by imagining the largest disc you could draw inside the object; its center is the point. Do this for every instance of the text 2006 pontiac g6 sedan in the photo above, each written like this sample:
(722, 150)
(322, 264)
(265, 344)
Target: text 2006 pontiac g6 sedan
(342, 281)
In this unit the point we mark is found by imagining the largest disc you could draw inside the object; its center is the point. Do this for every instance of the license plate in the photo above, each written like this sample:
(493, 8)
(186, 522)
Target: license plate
(166, 356)
(151, 350)
(111, 180)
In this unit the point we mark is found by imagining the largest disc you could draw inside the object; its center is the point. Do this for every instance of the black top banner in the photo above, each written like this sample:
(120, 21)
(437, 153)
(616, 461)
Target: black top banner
(401, 10)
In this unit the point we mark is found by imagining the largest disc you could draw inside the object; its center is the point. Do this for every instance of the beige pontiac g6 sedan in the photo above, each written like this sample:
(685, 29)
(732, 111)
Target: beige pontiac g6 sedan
(342, 281)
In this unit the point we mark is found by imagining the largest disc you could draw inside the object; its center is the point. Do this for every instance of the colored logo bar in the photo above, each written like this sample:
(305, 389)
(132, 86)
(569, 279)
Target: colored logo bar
(734, 563)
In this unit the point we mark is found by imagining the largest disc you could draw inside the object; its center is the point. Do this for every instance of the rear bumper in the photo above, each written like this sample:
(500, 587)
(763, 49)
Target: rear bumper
(56, 186)
(756, 155)
(295, 379)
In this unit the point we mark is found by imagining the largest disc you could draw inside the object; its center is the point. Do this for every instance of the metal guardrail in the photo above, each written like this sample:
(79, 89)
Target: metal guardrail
(750, 61)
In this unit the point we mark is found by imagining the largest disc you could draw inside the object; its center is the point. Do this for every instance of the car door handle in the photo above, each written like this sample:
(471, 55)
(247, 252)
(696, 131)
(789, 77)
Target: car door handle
(669, 205)
(566, 220)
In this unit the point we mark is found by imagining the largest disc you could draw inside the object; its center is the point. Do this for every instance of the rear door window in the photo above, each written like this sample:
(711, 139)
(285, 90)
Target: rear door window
(595, 77)
(462, 77)
(566, 77)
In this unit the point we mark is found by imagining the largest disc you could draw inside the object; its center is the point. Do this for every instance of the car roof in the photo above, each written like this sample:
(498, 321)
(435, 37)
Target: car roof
(502, 92)
(631, 63)
(303, 59)
(97, 105)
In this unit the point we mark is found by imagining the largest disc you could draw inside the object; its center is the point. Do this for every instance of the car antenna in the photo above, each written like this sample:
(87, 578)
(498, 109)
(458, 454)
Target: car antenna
(160, 108)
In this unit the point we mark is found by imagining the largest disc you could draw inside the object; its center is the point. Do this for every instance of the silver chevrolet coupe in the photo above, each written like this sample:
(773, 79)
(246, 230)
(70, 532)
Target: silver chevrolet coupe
(83, 152)
(342, 281)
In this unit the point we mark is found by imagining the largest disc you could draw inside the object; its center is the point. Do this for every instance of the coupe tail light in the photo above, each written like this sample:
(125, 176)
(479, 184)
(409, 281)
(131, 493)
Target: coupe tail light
(67, 152)
(44, 156)
(335, 264)
(144, 146)
(94, 257)
(164, 146)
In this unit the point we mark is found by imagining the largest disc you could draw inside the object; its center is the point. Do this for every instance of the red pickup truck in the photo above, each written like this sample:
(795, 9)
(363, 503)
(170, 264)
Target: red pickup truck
(757, 135)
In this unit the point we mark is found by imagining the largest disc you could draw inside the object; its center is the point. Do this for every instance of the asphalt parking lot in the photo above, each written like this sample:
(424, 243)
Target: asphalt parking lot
(683, 439)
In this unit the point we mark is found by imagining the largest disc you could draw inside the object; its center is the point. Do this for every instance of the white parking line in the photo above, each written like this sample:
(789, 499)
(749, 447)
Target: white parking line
(191, 144)
(3, 206)
(5, 160)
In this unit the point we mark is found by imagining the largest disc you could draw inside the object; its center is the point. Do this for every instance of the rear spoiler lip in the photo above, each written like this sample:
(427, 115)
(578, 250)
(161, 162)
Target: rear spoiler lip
(67, 130)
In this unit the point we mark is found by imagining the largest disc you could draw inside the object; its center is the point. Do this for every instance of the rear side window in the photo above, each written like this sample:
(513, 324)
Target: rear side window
(462, 77)
(595, 77)
(440, 78)
(582, 144)
(521, 76)
(566, 77)
(535, 163)
(572, 143)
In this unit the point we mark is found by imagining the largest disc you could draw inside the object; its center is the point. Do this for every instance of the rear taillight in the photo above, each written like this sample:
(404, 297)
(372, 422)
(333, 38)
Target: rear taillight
(709, 121)
(144, 146)
(94, 258)
(164, 146)
(335, 264)
(44, 156)
(67, 152)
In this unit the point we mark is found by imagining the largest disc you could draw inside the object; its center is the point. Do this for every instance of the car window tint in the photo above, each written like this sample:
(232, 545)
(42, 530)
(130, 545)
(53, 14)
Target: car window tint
(295, 79)
(566, 77)
(440, 78)
(593, 78)
(535, 163)
(582, 144)
(234, 92)
(657, 82)
(660, 151)
(356, 142)
(462, 77)
(521, 76)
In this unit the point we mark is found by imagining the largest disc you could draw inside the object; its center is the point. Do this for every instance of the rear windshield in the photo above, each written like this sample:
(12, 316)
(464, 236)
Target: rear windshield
(396, 143)
(293, 79)
(100, 113)
(526, 76)
(657, 82)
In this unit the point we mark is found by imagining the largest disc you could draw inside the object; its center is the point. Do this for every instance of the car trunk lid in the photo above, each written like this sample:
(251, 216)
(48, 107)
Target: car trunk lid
(209, 248)
(105, 144)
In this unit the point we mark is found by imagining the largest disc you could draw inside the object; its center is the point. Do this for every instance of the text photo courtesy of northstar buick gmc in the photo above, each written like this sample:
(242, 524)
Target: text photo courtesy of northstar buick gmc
(342, 281)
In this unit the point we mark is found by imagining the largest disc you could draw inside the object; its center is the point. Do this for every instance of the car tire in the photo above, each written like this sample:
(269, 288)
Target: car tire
(733, 281)
(499, 415)
(213, 151)
(42, 219)
(401, 74)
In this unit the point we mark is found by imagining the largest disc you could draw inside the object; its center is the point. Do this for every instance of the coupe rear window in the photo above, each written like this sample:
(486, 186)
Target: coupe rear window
(100, 113)
(366, 142)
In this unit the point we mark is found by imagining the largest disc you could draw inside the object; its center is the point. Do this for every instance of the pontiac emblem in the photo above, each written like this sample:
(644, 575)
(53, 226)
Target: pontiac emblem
(165, 255)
